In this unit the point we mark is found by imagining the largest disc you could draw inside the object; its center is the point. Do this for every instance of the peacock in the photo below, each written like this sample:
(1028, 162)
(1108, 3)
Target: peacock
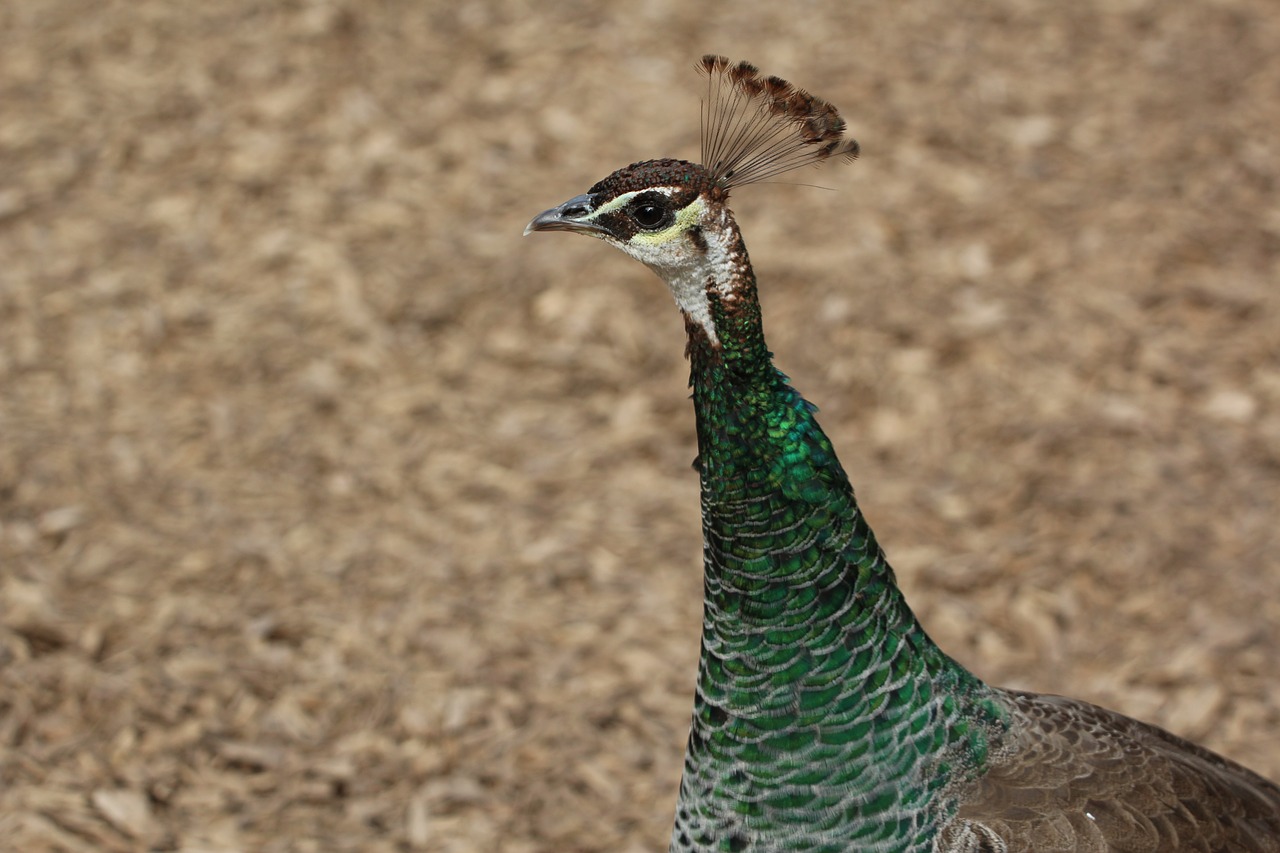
(825, 718)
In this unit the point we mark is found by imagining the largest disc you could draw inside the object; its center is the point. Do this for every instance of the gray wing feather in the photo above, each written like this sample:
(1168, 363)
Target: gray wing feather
(1076, 777)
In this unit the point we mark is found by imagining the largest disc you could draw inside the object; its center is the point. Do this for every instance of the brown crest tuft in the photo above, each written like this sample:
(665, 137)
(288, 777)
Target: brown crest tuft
(755, 127)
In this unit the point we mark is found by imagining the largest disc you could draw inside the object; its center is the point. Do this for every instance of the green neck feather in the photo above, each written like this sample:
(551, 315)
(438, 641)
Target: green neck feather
(814, 671)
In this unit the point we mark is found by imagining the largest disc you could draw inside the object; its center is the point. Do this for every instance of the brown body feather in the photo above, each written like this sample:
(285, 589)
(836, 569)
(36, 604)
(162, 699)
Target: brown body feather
(1076, 777)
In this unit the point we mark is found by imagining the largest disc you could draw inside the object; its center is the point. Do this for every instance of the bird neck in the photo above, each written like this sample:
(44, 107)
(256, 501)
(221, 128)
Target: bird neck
(776, 501)
(784, 536)
(807, 641)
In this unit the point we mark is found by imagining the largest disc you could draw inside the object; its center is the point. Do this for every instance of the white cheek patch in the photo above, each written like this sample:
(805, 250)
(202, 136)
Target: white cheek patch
(688, 269)
(676, 258)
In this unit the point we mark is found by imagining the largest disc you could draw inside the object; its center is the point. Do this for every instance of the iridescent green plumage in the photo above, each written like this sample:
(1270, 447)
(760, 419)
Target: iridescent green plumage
(820, 700)
(825, 718)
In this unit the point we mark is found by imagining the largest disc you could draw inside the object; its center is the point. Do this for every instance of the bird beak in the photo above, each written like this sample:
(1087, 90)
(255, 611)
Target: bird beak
(567, 217)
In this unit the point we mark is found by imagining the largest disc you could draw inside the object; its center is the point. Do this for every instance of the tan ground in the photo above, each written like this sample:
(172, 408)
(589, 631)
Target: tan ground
(335, 516)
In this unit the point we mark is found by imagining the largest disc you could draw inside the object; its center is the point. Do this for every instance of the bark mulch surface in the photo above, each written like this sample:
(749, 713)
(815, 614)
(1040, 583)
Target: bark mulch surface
(336, 516)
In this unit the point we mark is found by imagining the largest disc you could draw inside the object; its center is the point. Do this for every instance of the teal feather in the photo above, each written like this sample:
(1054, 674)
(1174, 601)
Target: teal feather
(819, 695)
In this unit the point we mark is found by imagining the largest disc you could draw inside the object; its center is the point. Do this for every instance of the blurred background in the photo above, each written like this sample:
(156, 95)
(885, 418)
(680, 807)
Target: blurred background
(336, 516)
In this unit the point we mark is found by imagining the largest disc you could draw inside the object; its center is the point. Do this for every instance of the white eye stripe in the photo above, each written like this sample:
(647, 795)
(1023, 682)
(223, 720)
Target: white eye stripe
(622, 201)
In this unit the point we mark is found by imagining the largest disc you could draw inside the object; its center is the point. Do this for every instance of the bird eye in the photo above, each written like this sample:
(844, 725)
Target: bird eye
(649, 216)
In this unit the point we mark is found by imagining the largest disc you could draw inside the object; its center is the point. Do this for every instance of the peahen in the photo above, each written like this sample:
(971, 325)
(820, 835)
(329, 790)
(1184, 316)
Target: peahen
(825, 718)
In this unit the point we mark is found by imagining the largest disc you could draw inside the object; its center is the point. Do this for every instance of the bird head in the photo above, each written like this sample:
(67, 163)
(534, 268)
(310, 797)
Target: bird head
(673, 215)
(652, 210)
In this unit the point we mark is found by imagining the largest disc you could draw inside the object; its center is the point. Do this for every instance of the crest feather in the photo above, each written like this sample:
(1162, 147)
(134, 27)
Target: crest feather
(756, 127)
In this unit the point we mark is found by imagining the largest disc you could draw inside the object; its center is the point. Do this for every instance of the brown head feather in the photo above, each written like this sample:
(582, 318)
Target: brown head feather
(755, 127)
(742, 71)
(712, 64)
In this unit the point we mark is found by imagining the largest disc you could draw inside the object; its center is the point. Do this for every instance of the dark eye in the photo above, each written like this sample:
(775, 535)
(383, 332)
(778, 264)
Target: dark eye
(649, 216)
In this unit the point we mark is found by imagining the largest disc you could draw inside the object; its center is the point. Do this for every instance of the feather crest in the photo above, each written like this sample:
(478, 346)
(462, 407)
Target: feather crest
(756, 127)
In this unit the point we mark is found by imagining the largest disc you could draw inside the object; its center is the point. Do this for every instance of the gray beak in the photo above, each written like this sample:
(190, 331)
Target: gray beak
(566, 217)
